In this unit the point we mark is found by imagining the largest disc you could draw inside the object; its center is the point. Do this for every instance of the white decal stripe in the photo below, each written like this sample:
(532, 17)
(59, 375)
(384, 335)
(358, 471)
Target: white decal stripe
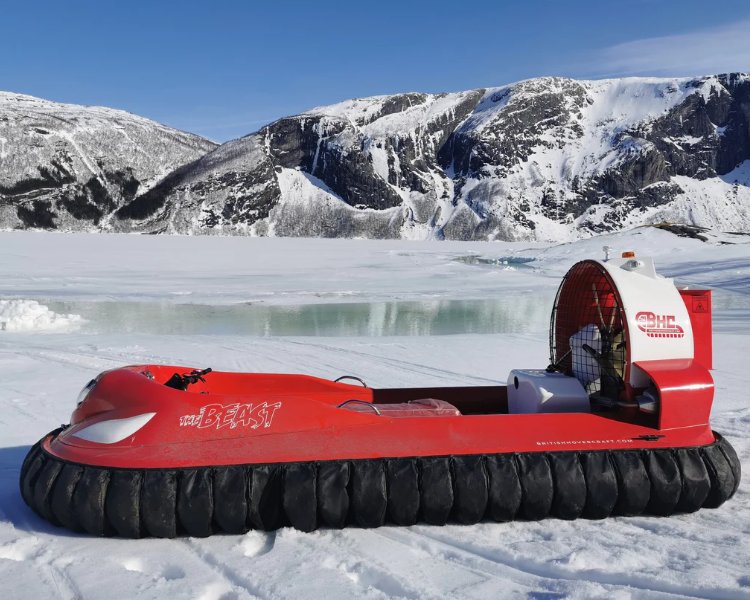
(114, 430)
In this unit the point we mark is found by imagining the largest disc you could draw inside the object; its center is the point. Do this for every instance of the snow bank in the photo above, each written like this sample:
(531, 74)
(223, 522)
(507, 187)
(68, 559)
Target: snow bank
(29, 315)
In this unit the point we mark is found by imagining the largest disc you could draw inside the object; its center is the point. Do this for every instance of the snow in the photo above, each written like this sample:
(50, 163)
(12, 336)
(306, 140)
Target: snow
(29, 315)
(713, 200)
(32, 105)
(739, 175)
(300, 187)
(625, 101)
(699, 555)
(368, 111)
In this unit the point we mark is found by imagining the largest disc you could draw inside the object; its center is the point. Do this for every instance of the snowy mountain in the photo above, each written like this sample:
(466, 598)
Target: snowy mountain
(64, 166)
(547, 158)
(542, 159)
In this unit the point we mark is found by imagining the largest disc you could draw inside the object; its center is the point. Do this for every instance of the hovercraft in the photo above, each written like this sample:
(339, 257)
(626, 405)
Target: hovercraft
(617, 424)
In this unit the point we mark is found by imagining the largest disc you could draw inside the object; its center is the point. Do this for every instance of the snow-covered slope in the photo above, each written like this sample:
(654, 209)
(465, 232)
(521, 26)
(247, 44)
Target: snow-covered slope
(543, 159)
(69, 167)
(553, 157)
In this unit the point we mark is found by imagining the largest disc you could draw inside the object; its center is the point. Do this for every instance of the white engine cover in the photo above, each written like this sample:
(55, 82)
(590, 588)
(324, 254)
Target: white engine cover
(658, 321)
(537, 391)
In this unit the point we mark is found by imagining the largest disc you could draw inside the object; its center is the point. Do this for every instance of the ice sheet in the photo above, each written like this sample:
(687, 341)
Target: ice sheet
(699, 555)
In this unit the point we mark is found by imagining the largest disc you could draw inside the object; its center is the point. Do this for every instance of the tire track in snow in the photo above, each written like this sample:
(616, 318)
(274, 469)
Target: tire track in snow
(31, 548)
(345, 556)
(408, 537)
(237, 582)
(79, 360)
(498, 558)
(62, 581)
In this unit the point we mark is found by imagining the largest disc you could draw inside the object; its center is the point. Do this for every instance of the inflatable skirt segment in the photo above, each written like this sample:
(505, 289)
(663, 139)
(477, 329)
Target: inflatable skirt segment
(465, 489)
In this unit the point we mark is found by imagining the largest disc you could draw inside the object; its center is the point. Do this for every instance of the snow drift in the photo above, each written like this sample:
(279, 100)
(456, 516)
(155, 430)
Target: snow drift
(30, 315)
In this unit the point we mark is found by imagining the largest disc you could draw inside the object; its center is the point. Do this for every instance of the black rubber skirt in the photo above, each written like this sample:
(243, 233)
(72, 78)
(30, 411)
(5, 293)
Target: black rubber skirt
(467, 489)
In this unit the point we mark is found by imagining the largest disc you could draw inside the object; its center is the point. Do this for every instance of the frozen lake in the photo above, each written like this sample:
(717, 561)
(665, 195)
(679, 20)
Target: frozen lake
(516, 313)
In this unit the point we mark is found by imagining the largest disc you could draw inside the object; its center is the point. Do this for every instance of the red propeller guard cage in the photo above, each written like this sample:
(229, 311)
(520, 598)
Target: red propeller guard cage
(587, 295)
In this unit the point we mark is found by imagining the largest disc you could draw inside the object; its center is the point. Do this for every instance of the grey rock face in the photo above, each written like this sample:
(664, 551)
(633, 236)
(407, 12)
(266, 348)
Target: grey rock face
(312, 144)
(226, 190)
(360, 162)
(700, 150)
(69, 167)
(595, 156)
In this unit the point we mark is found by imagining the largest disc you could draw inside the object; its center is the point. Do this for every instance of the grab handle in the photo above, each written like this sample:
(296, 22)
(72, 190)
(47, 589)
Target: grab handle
(352, 377)
(369, 404)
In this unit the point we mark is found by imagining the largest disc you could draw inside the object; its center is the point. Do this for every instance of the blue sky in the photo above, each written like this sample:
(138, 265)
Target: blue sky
(225, 68)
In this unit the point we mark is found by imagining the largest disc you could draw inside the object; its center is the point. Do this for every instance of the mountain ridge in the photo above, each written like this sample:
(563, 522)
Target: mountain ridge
(67, 166)
(542, 159)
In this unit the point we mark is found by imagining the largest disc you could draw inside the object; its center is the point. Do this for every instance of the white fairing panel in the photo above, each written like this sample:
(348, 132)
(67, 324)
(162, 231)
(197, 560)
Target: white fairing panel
(113, 430)
(537, 391)
(658, 322)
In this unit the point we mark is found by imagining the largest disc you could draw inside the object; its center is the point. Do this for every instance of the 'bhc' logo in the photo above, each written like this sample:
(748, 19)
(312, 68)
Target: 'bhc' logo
(659, 326)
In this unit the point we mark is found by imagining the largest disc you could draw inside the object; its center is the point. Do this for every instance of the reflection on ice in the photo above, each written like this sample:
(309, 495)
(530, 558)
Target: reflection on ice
(502, 262)
(519, 313)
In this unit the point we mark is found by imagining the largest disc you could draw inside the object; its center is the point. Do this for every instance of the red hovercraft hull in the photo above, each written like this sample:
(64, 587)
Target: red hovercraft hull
(287, 418)
(617, 425)
(263, 451)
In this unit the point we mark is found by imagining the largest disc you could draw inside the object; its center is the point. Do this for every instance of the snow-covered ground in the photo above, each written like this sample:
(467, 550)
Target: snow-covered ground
(59, 291)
